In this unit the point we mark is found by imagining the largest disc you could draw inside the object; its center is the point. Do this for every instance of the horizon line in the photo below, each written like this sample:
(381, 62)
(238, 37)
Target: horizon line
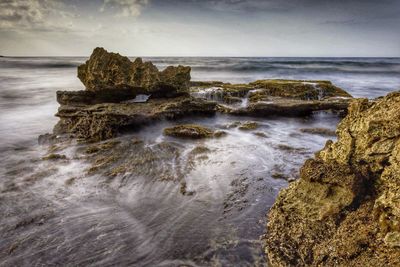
(147, 56)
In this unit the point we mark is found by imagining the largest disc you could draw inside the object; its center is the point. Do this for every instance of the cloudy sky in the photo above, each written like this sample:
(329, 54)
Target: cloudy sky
(201, 27)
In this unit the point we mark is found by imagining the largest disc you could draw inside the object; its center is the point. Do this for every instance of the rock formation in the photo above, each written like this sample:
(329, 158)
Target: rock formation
(106, 70)
(113, 84)
(345, 208)
(106, 120)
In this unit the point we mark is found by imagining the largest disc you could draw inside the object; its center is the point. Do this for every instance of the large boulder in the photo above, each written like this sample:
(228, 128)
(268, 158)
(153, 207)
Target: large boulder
(345, 208)
(105, 71)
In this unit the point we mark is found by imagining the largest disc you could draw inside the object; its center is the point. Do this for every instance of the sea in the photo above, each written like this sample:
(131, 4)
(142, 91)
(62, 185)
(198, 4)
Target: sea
(136, 219)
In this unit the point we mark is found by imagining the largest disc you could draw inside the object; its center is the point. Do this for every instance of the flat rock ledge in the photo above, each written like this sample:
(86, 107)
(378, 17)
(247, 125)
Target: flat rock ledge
(345, 208)
(103, 121)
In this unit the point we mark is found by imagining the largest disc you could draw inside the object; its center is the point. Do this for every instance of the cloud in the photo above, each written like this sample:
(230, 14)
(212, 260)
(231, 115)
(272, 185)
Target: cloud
(125, 8)
(32, 15)
(248, 5)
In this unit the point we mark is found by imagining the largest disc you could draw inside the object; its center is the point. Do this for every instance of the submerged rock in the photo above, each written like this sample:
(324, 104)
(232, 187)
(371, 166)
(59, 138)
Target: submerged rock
(345, 208)
(249, 125)
(110, 71)
(319, 131)
(189, 131)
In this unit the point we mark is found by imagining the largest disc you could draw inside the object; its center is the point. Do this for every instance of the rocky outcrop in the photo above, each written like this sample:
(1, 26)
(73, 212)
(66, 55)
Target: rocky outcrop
(115, 86)
(106, 120)
(106, 70)
(345, 208)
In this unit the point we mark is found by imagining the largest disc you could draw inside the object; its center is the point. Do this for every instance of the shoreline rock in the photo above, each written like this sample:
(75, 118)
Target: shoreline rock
(110, 71)
(106, 120)
(345, 208)
(109, 106)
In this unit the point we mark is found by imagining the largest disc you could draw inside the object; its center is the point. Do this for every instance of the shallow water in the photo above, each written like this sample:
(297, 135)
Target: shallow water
(58, 213)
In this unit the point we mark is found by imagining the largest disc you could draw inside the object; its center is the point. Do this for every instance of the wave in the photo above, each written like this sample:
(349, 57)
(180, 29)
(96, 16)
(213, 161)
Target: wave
(317, 65)
(20, 63)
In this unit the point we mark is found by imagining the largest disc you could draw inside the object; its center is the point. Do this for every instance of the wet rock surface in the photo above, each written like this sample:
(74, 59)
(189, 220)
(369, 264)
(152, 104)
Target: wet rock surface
(189, 131)
(104, 121)
(344, 210)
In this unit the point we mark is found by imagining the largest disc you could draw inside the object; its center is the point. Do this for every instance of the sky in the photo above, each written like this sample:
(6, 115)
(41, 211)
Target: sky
(291, 28)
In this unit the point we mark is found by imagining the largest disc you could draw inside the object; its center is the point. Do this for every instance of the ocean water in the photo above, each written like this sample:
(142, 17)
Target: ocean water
(140, 220)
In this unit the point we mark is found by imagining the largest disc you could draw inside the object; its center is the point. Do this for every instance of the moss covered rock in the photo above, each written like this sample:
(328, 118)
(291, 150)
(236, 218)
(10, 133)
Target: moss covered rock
(345, 208)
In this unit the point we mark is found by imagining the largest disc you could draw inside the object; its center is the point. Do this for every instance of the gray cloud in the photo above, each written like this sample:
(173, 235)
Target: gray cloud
(125, 8)
(32, 15)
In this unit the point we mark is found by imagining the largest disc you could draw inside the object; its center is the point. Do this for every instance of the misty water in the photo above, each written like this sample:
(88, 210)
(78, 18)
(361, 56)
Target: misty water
(59, 213)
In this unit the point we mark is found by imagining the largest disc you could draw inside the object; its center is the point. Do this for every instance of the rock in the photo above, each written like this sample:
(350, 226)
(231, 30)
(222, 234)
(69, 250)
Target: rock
(249, 125)
(103, 121)
(305, 90)
(232, 100)
(110, 71)
(319, 131)
(261, 134)
(54, 157)
(91, 98)
(219, 134)
(345, 208)
(189, 131)
(291, 107)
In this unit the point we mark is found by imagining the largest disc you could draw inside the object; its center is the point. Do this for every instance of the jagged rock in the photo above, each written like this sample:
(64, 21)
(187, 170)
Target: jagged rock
(103, 121)
(345, 208)
(111, 71)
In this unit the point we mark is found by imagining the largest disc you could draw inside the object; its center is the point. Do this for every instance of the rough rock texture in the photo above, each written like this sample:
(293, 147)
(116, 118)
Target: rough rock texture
(115, 85)
(306, 90)
(262, 90)
(189, 131)
(345, 208)
(106, 70)
(291, 107)
(106, 120)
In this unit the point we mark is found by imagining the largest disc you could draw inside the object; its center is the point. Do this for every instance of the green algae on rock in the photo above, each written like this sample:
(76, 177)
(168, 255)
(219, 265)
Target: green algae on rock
(345, 208)
(191, 131)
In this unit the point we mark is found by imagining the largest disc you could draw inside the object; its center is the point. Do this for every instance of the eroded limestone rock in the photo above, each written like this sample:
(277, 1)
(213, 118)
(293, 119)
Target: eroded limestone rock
(110, 71)
(345, 208)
